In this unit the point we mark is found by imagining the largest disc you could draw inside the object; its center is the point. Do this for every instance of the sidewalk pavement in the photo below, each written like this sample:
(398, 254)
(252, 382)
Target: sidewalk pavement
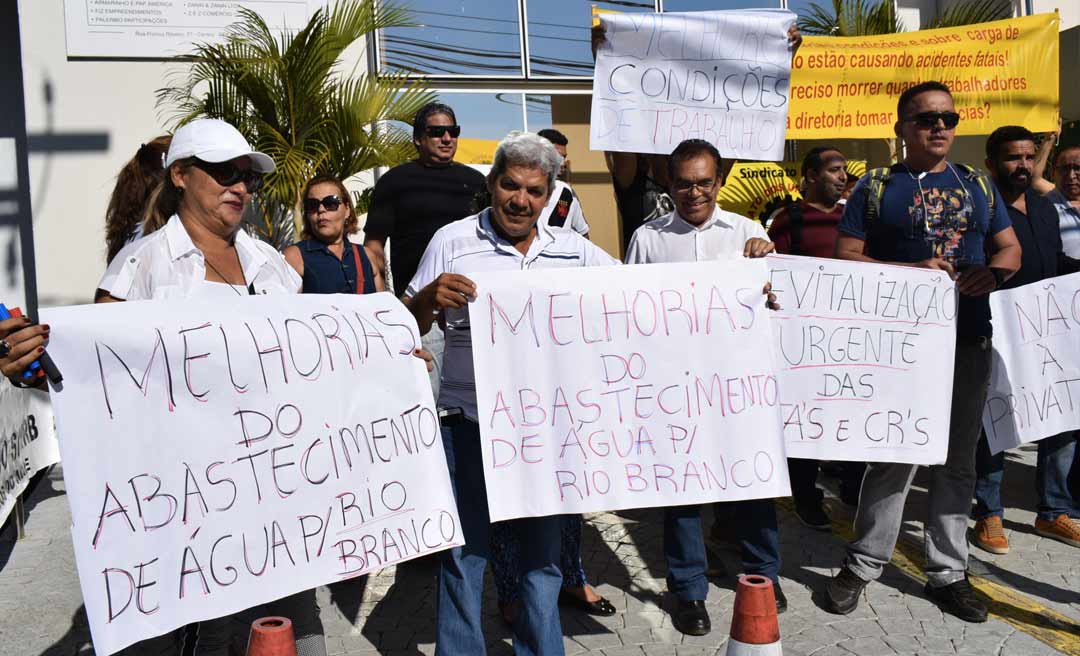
(1034, 589)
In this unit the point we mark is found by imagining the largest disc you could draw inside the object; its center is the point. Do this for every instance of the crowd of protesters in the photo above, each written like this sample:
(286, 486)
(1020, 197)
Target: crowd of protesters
(174, 231)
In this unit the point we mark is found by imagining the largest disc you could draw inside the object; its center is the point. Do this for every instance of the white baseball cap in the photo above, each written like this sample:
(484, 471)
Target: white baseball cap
(213, 140)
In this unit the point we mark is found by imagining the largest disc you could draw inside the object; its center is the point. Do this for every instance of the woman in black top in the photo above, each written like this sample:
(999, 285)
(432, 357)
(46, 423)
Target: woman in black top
(327, 261)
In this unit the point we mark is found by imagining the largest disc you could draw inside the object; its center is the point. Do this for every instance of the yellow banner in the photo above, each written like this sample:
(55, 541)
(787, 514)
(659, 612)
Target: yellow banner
(1000, 73)
(475, 151)
(755, 189)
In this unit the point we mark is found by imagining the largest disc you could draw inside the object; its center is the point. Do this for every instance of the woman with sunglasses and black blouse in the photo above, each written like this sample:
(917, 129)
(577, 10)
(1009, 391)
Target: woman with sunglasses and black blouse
(326, 260)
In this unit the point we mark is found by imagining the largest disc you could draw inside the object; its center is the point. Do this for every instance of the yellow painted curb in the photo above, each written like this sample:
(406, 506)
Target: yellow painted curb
(1006, 604)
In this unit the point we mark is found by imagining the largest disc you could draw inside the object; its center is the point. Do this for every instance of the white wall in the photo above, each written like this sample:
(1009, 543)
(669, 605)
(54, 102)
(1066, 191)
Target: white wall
(1069, 11)
(71, 190)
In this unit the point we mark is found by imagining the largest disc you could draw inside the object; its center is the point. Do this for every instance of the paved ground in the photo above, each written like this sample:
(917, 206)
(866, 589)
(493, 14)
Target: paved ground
(1034, 590)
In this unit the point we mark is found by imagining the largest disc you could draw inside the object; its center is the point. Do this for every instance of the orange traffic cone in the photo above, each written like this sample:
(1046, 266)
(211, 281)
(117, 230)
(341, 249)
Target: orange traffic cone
(754, 629)
(271, 636)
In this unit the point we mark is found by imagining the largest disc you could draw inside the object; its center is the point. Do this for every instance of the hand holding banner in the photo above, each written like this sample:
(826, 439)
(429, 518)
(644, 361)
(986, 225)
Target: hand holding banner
(646, 385)
(721, 76)
(865, 359)
(220, 454)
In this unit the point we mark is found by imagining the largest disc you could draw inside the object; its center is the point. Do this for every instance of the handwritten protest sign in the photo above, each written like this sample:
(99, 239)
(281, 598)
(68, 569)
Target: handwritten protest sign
(1000, 73)
(865, 359)
(647, 385)
(1035, 381)
(27, 441)
(223, 453)
(722, 76)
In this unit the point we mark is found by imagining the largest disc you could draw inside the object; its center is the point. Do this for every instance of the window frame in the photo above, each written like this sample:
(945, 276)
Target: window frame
(452, 81)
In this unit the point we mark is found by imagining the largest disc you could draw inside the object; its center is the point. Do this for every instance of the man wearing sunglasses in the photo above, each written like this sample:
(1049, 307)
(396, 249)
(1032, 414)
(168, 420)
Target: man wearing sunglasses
(930, 213)
(412, 201)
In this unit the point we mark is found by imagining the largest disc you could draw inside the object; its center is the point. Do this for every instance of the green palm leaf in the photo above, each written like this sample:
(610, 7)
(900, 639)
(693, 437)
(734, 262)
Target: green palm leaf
(971, 12)
(287, 94)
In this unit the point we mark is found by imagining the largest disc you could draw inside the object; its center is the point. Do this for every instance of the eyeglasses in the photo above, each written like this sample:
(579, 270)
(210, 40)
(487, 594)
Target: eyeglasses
(227, 174)
(685, 186)
(331, 203)
(437, 131)
(930, 119)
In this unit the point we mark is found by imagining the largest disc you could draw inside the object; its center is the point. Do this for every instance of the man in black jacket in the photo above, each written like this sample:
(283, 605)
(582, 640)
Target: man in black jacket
(1010, 158)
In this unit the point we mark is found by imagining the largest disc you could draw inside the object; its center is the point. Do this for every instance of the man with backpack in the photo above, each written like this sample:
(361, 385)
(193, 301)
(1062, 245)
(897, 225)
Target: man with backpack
(809, 227)
(930, 213)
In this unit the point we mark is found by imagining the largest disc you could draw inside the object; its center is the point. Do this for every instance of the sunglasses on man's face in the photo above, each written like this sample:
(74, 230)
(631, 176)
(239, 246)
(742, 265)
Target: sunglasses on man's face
(227, 174)
(437, 131)
(331, 203)
(930, 119)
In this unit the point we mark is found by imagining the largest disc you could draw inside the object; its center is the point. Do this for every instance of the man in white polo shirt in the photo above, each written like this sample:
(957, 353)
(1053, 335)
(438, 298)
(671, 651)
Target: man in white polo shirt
(506, 236)
(697, 231)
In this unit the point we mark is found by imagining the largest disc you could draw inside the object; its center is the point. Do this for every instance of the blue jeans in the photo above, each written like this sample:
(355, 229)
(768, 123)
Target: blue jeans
(537, 630)
(1053, 462)
(505, 548)
(684, 545)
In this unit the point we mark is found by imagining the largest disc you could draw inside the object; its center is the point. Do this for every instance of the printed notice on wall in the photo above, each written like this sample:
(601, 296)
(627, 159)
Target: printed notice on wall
(1035, 379)
(167, 28)
(219, 454)
(721, 76)
(647, 385)
(864, 354)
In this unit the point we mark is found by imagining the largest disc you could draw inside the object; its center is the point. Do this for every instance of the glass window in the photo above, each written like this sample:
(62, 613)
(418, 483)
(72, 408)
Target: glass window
(537, 112)
(456, 37)
(559, 34)
(712, 5)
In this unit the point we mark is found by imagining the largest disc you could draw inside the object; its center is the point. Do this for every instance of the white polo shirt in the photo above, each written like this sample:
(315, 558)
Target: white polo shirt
(167, 264)
(575, 218)
(671, 239)
(471, 245)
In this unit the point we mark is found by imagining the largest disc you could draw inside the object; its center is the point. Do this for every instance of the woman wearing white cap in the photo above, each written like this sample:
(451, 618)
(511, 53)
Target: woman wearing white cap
(195, 247)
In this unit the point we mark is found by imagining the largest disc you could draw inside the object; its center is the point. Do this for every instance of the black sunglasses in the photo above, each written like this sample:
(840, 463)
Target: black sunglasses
(437, 131)
(331, 203)
(930, 119)
(227, 174)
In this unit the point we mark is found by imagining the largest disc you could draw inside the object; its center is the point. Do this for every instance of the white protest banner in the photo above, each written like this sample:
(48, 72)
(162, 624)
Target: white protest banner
(864, 353)
(606, 388)
(27, 441)
(1035, 379)
(221, 453)
(721, 76)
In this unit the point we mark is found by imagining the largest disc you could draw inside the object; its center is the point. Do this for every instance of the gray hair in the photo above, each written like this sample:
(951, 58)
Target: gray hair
(526, 149)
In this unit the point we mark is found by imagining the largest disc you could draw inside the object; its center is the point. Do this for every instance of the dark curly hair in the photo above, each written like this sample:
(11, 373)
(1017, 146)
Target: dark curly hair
(351, 222)
(135, 184)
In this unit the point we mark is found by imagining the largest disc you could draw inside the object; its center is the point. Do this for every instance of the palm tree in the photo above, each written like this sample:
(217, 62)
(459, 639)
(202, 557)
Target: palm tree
(287, 93)
(870, 17)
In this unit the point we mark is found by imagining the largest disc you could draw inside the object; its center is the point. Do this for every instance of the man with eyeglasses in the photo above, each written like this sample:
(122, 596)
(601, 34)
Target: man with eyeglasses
(413, 200)
(698, 231)
(930, 213)
(1064, 193)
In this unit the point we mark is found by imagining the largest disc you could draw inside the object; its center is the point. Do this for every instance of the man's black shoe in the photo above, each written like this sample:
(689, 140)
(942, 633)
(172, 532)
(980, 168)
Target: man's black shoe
(781, 598)
(691, 618)
(813, 515)
(842, 592)
(958, 599)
